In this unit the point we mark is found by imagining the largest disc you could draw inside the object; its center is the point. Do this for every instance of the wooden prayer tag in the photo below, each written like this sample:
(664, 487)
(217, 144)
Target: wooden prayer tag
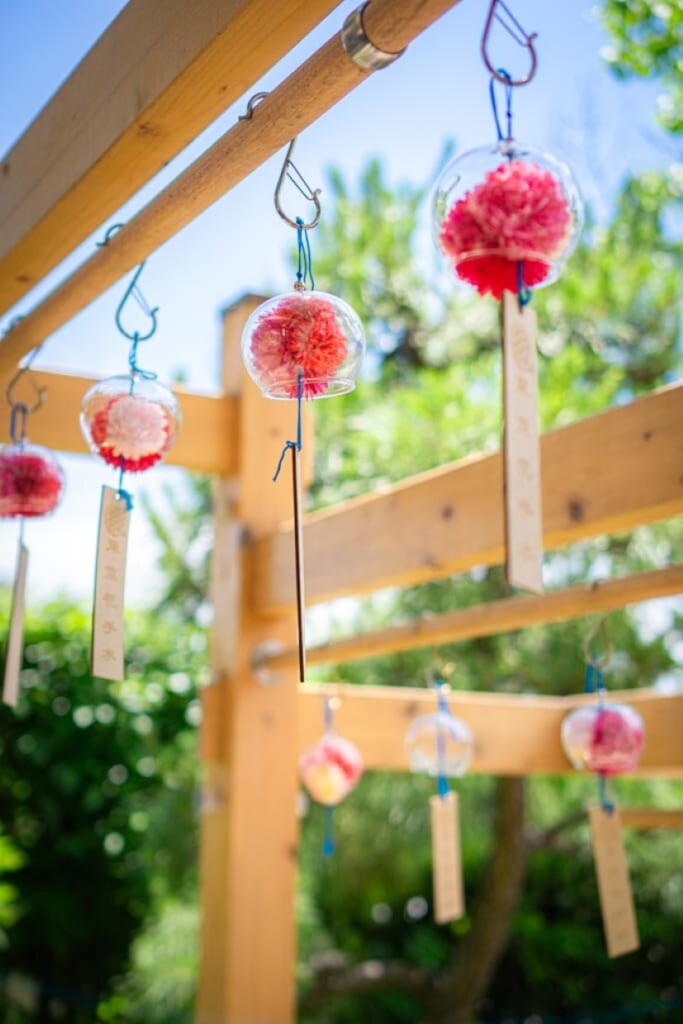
(15, 639)
(614, 886)
(522, 459)
(449, 900)
(110, 575)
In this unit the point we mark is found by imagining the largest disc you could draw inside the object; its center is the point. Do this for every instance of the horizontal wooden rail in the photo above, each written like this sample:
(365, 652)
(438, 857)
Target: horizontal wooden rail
(155, 79)
(606, 473)
(493, 618)
(514, 734)
(206, 440)
(651, 817)
(321, 82)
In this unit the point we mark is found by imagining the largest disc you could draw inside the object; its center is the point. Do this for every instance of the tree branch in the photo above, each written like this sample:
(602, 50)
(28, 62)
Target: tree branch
(333, 979)
(476, 957)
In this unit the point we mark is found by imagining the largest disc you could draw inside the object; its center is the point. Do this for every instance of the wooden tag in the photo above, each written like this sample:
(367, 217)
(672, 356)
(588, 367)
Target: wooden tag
(614, 886)
(15, 639)
(449, 900)
(110, 576)
(522, 457)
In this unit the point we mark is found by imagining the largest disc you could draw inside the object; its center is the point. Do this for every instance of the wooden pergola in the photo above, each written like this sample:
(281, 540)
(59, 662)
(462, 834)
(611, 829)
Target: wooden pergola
(185, 63)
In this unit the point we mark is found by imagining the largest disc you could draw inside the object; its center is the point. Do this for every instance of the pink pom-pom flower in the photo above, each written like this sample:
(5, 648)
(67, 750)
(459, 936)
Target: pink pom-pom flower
(31, 481)
(330, 769)
(608, 739)
(303, 336)
(518, 214)
(130, 430)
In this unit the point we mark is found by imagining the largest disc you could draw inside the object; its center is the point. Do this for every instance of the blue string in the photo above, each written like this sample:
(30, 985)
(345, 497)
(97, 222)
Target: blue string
(304, 270)
(589, 686)
(288, 445)
(328, 834)
(328, 828)
(508, 105)
(441, 780)
(606, 804)
(123, 494)
(523, 293)
(136, 370)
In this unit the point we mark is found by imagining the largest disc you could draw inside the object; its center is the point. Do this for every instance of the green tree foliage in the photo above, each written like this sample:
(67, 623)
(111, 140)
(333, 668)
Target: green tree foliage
(96, 786)
(647, 40)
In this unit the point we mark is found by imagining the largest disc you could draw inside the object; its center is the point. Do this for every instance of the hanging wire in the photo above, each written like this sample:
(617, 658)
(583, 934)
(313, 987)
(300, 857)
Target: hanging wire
(500, 12)
(291, 171)
(441, 778)
(599, 629)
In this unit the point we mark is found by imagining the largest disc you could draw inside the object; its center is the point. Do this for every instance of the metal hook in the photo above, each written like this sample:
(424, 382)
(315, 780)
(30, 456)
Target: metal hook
(132, 291)
(302, 185)
(40, 391)
(514, 29)
(602, 660)
(251, 104)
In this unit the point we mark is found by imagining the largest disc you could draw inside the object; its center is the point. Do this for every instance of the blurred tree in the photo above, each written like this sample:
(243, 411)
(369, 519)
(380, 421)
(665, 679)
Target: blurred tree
(88, 771)
(647, 40)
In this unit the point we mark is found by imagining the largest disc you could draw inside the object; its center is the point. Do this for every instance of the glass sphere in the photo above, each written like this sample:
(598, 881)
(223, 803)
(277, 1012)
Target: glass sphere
(130, 421)
(425, 737)
(31, 480)
(312, 334)
(607, 738)
(330, 769)
(500, 206)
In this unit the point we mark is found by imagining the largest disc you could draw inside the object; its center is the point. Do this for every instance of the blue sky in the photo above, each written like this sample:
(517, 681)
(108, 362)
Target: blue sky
(437, 90)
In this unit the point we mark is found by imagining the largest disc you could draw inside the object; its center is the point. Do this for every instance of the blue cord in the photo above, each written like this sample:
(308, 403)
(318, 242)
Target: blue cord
(288, 445)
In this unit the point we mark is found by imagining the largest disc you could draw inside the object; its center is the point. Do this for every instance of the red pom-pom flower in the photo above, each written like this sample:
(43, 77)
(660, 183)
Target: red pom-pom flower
(608, 739)
(308, 336)
(330, 769)
(31, 481)
(518, 213)
(129, 430)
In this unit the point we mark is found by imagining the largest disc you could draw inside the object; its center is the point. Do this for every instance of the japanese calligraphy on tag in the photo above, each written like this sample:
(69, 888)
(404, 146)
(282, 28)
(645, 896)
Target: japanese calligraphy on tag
(110, 576)
(522, 461)
(614, 886)
(15, 640)
(449, 900)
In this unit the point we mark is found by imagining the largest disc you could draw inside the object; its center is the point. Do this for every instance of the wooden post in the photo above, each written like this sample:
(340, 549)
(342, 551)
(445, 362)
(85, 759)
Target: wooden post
(250, 747)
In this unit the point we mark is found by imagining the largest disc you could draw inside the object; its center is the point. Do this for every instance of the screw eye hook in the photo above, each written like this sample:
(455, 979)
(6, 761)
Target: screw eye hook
(513, 28)
(598, 630)
(39, 391)
(134, 292)
(292, 172)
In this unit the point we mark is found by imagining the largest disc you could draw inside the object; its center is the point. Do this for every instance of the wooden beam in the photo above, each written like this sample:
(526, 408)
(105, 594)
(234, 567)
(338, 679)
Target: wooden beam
(321, 82)
(514, 734)
(651, 817)
(207, 440)
(162, 72)
(249, 829)
(609, 472)
(493, 618)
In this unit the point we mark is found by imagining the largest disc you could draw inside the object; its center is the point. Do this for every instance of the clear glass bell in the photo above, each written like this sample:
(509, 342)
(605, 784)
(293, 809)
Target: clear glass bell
(130, 421)
(439, 744)
(607, 738)
(307, 334)
(506, 215)
(31, 480)
(330, 769)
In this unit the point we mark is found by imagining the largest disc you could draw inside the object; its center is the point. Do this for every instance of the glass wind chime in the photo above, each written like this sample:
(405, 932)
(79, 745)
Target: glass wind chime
(31, 486)
(304, 344)
(130, 421)
(607, 738)
(507, 216)
(440, 745)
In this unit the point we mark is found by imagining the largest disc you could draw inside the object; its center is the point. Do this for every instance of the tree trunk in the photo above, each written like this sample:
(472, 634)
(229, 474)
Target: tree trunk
(457, 991)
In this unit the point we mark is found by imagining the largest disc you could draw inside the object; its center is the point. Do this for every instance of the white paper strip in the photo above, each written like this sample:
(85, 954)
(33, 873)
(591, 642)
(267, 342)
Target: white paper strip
(110, 577)
(15, 639)
(449, 900)
(523, 516)
(614, 885)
